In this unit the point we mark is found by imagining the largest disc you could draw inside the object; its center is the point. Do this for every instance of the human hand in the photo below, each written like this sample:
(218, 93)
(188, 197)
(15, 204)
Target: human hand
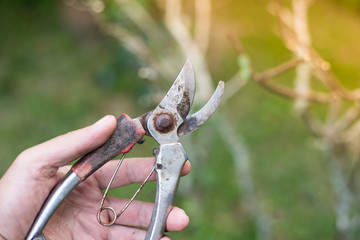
(33, 174)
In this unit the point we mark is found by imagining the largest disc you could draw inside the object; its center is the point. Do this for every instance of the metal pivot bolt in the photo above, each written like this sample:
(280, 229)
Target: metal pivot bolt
(164, 122)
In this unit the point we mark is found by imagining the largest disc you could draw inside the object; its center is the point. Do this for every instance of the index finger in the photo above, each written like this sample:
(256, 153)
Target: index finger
(47, 157)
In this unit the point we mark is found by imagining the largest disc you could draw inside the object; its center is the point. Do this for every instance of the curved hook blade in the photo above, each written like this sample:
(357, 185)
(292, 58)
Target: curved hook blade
(194, 121)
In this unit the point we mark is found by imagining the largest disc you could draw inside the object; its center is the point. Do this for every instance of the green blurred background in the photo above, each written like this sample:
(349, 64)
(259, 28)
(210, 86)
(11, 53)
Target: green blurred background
(60, 72)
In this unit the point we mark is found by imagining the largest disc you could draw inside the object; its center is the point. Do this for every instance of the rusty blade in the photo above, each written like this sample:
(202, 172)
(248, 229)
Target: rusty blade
(188, 73)
(175, 106)
(180, 96)
(194, 121)
(182, 92)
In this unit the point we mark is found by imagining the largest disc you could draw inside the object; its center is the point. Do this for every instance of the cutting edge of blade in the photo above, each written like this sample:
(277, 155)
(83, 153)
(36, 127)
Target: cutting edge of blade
(194, 121)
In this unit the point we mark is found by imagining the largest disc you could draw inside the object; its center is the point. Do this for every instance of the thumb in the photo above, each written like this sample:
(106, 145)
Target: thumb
(45, 159)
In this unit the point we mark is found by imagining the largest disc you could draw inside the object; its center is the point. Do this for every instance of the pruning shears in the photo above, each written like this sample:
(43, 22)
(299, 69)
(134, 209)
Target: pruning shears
(165, 124)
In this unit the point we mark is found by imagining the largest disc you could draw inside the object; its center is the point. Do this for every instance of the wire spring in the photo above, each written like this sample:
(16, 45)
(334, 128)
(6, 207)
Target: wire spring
(117, 215)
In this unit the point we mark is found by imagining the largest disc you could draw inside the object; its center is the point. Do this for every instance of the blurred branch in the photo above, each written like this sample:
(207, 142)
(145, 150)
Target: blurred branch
(273, 72)
(202, 24)
(348, 118)
(233, 86)
(176, 26)
(303, 70)
(299, 93)
(313, 124)
(243, 172)
(265, 77)
(162, 63)
(341, 127)
(241, 78)
(343, 193)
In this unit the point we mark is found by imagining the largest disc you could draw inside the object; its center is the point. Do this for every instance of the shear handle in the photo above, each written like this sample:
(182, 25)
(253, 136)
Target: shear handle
(170, 160)
(127, 133)
(125, 136)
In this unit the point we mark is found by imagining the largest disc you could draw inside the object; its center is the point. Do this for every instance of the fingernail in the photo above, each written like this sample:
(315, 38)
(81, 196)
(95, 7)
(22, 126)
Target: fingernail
(102, 120)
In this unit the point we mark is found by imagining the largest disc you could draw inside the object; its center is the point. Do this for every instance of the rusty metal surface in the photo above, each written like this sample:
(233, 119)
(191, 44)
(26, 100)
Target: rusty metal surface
(125, 136)
(164, 122)
(176, 103)
(194, 121)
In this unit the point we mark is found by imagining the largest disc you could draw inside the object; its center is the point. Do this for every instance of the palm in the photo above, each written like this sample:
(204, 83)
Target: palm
(76, 217)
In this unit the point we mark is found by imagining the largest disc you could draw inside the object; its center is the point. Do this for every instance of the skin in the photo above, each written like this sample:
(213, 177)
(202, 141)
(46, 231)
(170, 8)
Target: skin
(33, 174)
